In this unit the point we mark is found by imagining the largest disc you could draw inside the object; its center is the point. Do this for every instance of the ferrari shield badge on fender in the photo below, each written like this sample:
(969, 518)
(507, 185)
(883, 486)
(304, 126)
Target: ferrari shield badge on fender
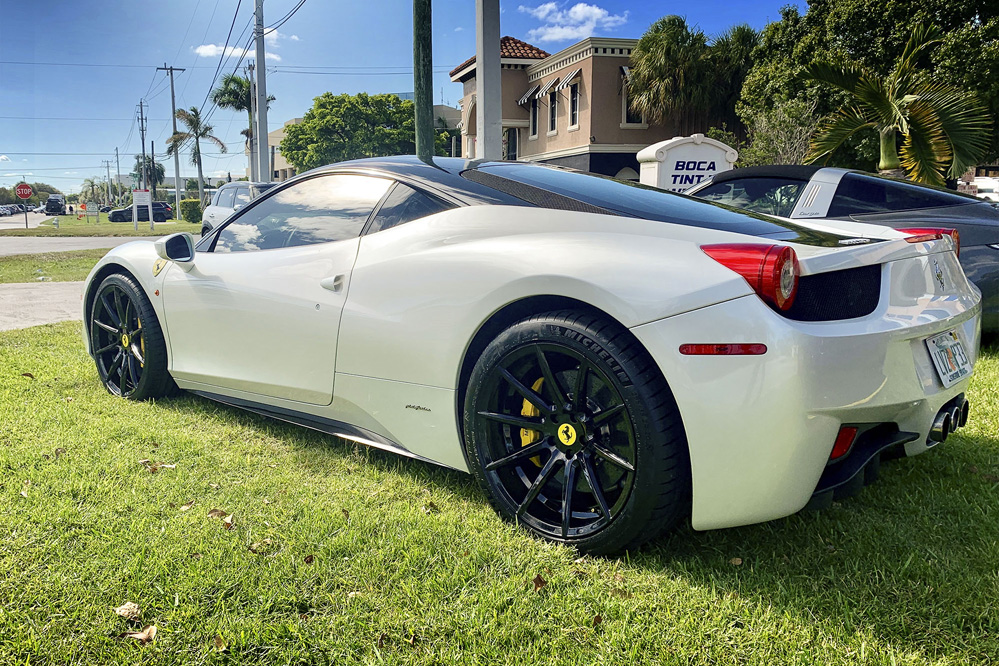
(158, 266)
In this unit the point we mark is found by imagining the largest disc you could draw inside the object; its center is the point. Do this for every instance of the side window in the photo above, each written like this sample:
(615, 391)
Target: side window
(225, 197)
(319, 210)
(772, 196)
(242, 196)
(403, 205)
(858, 194)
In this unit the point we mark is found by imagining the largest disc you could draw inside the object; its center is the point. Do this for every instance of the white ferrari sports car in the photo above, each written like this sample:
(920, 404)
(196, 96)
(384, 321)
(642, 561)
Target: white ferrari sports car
(607, 359)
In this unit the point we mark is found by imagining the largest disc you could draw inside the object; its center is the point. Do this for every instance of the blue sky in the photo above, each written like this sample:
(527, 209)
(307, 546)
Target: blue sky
(72, 73)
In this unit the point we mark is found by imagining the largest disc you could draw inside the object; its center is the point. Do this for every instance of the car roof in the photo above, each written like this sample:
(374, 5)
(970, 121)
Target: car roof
(796, 171)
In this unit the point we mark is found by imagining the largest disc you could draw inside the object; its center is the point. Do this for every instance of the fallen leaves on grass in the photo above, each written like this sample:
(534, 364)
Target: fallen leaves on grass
(58, 452)
(346, 514)
(259, 547)
(309, 559)
(186, 507)
(24, 491)
(130, 611)
(736, 561)
(430, 508)
(28, 375)
(539, 582)
(145, 636)
(381, 640)
(597, 620)
(213, 486)
(217, 513)
(154, 467)
(227, 522)
(220, 645)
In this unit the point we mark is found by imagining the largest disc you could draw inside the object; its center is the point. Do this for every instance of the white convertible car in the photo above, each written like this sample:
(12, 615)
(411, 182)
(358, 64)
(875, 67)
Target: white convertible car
(607, 359)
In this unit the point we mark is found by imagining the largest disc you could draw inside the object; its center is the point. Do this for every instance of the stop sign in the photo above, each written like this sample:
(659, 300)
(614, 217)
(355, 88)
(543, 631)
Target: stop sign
(23, 190)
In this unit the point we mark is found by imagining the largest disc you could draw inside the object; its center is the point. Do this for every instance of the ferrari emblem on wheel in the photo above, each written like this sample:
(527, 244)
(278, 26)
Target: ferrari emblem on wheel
(567, 435)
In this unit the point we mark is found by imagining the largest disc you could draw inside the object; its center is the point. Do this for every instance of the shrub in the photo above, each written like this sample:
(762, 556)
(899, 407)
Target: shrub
(190, 210)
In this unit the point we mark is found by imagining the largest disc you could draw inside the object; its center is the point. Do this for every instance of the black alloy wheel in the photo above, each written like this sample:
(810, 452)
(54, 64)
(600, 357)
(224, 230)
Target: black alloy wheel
(127, 342)
(574, 434)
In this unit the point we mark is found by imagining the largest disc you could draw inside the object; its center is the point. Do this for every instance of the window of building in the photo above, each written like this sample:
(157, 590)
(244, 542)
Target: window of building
(552, 110)
(574, 105)
(405, 204)
(534, 117)
(510, 137)
(317, 210)
(629, 117)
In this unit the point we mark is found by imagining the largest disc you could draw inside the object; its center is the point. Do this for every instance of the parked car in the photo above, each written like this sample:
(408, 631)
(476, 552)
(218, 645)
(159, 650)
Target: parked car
(607, 359)
(228, 199)
(38, 209)
(161, 213)
(55, 204)
(826, 194)
(106, 209)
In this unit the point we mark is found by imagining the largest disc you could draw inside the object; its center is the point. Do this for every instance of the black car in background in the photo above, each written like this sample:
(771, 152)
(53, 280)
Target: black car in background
(162, 212)
(799, 192)
(55, 204)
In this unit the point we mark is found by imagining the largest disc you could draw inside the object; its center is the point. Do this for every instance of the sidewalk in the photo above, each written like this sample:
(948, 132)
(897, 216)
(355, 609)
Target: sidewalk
(17, 221)
(24, 305)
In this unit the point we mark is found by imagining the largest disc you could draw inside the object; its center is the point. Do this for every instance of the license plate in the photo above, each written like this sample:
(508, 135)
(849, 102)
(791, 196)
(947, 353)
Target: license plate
(948, 356)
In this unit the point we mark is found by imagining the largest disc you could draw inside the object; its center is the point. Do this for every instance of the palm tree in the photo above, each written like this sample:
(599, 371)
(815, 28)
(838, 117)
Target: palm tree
(91, 189)
(944, 129)
(155, 172)
(669, 73)
(197, 130)
(236, 92)
(730, 56)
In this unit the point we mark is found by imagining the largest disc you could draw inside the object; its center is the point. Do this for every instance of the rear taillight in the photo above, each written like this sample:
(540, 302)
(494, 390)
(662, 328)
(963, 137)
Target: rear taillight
(923, 234)
(771, 270)
(843, 443)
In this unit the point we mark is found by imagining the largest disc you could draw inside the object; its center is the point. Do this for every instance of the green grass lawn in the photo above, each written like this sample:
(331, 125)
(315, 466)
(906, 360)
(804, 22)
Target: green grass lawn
(342, 554)
(70, 225)
(56, 266)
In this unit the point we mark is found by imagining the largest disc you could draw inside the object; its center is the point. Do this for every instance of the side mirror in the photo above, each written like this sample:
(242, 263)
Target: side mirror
(236, 207)
(178, 248)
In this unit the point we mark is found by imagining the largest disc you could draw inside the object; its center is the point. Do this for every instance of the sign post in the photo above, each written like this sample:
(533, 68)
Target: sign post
(684, 161)
(141, 198)
(92, 208)
(24, 192)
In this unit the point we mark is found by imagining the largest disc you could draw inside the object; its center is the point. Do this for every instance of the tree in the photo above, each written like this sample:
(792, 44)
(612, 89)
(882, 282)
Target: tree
(943, 129)
(676, 75)
(197, 131)
(872, 34)
(779, 135)
(236, 93)
(92, 189)
(191, 184)
(346, 127)
(155, 171)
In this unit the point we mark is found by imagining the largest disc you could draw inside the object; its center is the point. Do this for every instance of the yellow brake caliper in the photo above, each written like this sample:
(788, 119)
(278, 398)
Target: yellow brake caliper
(528, 437)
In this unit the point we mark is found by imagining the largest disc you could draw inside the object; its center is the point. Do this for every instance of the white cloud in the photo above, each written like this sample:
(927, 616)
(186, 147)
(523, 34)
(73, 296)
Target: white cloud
(577, 22)
(294, 38)
(4, 158)
(215, 50)
(71, 173)
(19, 174)
(458, 29)
(273, 38)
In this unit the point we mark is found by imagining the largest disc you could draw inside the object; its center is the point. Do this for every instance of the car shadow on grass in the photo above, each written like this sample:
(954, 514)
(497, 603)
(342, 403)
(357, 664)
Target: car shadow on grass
(909, 562)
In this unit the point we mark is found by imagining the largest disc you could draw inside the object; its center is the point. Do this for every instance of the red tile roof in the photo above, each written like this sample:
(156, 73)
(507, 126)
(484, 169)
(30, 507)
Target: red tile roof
(509, 48)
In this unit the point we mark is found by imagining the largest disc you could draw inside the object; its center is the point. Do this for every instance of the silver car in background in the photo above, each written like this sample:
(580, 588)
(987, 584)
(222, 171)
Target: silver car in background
(228, 199)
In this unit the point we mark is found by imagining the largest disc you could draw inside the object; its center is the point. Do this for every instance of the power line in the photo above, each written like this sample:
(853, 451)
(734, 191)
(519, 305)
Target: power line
(84, 64)
(281, 21)
(67, 118)
(222, 58)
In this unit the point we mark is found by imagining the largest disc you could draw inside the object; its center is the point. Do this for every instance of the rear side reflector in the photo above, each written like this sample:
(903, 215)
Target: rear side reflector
(740, 349)
(844, 440)
(771, 270)
(923, 234)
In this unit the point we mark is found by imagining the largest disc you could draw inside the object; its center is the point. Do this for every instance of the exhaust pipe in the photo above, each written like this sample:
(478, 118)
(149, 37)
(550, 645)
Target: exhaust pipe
(965, 411)
(941, 426)
(955, 417)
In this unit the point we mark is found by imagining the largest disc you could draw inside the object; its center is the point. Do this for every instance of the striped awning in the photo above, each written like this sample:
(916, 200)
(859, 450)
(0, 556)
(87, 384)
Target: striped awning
(546, 88)
(527, 95)
(567, 80)
(626, 73)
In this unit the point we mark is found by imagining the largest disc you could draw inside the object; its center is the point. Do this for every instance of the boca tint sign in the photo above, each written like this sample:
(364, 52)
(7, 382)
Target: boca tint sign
(684, 161)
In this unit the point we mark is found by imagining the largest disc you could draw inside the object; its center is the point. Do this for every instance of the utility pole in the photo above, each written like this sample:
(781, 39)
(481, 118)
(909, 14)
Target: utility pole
(176, 154)
(423, 79)
(488, 101)
(152, 167)
(253, 123)
(107, 163)
(117, 164)
(142, 134)
(261, 133)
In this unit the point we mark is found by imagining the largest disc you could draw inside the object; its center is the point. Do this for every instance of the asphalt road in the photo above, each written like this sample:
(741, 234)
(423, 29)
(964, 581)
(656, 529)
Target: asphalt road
(17, 221)
(24, 305)
(36, 244)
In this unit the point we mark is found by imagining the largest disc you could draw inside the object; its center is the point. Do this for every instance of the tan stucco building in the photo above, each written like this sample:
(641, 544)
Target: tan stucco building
(569, 108)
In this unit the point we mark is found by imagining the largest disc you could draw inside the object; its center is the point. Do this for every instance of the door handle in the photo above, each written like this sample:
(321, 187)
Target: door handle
(334, 284)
